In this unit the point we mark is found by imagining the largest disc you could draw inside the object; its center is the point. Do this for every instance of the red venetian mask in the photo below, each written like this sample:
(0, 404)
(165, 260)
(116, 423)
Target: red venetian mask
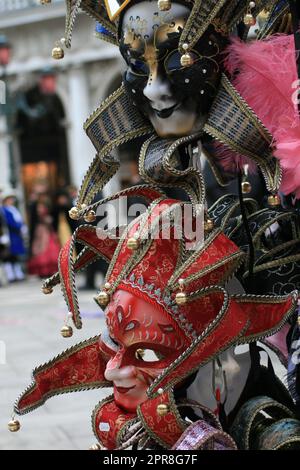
(142, 339)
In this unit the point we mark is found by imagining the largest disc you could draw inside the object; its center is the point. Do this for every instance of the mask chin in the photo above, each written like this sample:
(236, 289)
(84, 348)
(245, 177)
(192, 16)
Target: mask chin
(181, 123)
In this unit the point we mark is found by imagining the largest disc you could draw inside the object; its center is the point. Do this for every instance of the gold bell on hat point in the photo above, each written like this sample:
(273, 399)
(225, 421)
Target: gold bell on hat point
(164, 5)
(162, 409)
(47, 290)
(274, 200)
(66, 331)
(14, 425)
(57, 53)
(90, 216)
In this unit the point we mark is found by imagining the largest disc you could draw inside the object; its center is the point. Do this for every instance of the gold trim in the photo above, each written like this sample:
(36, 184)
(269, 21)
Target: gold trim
(272, 178)
(113, 16)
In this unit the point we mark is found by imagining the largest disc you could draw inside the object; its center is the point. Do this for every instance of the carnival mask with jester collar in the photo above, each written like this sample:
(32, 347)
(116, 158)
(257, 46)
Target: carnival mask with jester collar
(153, 345)
(173, 97)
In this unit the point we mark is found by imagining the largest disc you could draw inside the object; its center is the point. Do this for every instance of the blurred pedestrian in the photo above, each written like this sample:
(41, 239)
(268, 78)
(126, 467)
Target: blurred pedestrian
(73, 193)
(45, 245)
(4, 244)
(16, 231)
(63, 224)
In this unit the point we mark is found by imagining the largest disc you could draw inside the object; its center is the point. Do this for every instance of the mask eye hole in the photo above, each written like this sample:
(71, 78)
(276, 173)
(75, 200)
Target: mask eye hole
(148, 355)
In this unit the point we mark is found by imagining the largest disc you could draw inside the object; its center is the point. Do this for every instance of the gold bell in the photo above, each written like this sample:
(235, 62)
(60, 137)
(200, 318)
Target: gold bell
(47, 290)
(133, 242)
(45, 2)
(249, 20)
(162, 409)
(274, 200)
(66, 331)
(74, 213)
(164, 5)
(57, 53)
(208, 225)
(14, 425)
(90, 216)
(180, 298)
(186, 60)
(103, 298)
(246, 187)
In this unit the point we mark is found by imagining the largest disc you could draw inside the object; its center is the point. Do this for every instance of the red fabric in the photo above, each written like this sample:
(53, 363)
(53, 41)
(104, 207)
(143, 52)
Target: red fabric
(259, 315)
(167, 428)
(203, 310)
(263, 315)
(220, 338)
(158, 264)
(84, 259)
(124, 255)
(65, 264)
(79, 367)
(114, 418)
(220, 250)
(88, 236)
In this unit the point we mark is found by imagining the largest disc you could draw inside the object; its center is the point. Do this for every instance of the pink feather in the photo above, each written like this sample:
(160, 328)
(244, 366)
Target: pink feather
(267, 81)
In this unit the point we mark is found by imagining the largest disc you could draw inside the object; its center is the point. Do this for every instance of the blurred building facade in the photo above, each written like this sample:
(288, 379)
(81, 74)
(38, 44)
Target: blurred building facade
(49, 143)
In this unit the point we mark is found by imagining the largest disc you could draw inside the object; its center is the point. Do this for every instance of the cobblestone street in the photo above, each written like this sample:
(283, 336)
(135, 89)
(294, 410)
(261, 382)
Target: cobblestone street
(30, 325)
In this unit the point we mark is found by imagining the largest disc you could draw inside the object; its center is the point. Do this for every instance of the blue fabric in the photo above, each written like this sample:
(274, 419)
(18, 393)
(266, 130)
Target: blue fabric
(14, 224)
(101, 29)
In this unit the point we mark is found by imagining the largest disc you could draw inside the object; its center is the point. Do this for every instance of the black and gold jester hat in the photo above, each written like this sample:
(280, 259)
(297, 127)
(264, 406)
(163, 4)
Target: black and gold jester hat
(223, 14)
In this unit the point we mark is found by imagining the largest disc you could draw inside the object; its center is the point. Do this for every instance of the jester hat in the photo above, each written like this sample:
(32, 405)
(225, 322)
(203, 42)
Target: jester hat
(210, 320)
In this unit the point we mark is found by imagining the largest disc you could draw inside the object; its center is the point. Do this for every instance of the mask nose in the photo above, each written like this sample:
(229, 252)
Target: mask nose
(158, 92)
(114, 371)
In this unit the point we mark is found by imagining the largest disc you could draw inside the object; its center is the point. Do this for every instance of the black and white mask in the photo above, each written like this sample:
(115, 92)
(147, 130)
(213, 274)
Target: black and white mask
(172, 97)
